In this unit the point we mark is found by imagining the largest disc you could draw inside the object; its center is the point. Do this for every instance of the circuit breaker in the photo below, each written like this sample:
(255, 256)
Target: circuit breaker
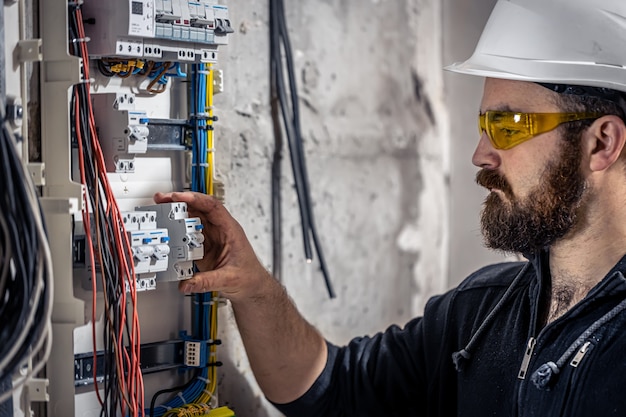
(172, 30)
(186, 241)
(123, 131)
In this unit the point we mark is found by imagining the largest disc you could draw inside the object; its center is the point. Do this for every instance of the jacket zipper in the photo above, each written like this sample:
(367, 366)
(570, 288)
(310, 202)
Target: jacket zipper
(530, 346)
(580, 354)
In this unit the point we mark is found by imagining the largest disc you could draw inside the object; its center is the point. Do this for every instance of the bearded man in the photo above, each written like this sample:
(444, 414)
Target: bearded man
(536, 338)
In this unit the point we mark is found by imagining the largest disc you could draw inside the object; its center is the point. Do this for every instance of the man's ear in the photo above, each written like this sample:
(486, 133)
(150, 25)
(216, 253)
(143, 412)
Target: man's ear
(605, 141)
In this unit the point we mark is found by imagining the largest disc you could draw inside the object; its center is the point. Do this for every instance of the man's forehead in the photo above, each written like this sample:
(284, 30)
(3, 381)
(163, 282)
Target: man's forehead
(512, 95)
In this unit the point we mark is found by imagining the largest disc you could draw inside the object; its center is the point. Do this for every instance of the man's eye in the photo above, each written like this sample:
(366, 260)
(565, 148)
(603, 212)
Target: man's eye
(508, 132)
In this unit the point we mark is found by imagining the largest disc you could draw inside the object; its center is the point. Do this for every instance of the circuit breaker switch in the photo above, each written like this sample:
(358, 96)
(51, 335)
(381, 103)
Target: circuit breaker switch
(161, 251)
(139, 132)
(143, 253)
(196, 240)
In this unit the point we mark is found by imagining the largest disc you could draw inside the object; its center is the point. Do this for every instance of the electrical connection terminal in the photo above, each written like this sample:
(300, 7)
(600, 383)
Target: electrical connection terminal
(218, 81)
(146, 282)
(195, 354)
(139, 220)
(186, 241)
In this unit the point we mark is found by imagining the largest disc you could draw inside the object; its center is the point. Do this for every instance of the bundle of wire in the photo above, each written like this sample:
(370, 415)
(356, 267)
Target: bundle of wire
(157, 72)
(108, 250)
(197, 397)
(289, 110)
(200, 390)
(25, 272)
(198, 118)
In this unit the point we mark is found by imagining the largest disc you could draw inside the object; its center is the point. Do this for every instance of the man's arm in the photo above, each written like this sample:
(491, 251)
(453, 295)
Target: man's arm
(286, 353)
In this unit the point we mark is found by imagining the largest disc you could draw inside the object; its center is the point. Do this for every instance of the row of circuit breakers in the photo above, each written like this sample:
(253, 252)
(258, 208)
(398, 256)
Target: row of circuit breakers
(164, 243)
(163, 30)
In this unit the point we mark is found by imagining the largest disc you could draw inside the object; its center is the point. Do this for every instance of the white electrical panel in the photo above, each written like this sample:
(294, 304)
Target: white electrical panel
(150, 63)
(172, 30)
(186, 241)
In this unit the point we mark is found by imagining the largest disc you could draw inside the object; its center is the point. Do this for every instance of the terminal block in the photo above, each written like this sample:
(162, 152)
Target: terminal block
(186, 241)
(195, 354)
(145, 282)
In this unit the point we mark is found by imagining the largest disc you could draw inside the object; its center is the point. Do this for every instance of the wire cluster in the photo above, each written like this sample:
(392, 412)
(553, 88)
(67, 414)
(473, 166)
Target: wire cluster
(284, 102)
(25, 272)
(201, 389)
(109, 252)
(201, 118)
(157, 72)
(198, 395)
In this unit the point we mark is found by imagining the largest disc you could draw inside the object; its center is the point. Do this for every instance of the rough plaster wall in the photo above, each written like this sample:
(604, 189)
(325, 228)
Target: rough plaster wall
(370, 111)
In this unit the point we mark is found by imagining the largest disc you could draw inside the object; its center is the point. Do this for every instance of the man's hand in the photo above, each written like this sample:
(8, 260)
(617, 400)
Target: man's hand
(229, 265)
(286, 353)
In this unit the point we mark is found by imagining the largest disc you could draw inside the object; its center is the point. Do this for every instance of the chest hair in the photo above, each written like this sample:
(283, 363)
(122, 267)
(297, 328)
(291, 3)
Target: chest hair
(563, 296)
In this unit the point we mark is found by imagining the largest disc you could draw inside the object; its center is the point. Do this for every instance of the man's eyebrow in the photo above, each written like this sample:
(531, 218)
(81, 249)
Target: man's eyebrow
(500, 107)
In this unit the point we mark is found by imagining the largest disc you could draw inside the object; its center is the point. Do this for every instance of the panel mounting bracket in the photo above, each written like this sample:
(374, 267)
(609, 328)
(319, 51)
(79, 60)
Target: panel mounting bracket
(29, 50)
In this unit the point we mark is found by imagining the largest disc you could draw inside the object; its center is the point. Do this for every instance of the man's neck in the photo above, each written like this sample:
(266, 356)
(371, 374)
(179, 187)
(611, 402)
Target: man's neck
(579, 263)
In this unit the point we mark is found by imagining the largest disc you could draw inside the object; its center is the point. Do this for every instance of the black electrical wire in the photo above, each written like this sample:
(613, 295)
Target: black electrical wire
(107, 256)
(279, 43)
(278, 154)
(276, 191)
(23, 284)
(195, 119)
(170, 390)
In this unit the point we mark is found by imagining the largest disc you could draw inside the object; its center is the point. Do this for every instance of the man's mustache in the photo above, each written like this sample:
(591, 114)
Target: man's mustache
(491, 179)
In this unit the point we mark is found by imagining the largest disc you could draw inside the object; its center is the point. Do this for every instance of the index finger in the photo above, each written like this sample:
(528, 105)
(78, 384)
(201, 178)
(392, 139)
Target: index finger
(207, 206)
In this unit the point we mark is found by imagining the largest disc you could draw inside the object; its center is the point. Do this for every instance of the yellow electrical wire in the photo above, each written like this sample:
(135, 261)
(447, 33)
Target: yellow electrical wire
(204, 405)
(210, 173)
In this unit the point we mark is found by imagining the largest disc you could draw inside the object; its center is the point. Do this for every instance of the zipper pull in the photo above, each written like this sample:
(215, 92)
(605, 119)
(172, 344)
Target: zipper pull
(580, 355)
(526, 361)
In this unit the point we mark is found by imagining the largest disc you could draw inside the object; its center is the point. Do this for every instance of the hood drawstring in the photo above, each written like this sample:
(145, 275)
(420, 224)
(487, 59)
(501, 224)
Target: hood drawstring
(546, 373)
(459, 358)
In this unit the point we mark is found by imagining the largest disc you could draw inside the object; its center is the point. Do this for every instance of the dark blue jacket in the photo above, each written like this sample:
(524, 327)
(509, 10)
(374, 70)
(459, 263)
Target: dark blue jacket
(466, 356)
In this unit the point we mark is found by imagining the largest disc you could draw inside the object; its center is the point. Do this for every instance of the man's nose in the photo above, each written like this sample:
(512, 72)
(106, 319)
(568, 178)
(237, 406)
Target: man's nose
(485, 155)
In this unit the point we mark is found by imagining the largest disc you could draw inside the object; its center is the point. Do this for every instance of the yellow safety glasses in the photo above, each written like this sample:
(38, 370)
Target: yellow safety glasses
(508, 129)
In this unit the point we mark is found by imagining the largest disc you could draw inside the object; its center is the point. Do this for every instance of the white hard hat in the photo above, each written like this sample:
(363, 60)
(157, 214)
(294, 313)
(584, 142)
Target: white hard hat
(580, 42)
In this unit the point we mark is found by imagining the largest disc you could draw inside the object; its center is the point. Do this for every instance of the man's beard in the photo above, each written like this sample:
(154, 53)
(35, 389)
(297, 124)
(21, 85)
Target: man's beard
(545, 215)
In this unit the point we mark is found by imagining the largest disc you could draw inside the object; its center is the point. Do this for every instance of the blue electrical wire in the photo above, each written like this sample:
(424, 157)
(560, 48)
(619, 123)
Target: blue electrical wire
(199, 124)
(201, 315)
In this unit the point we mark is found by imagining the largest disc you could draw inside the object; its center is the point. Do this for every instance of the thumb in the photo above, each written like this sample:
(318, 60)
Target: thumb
(220, 280)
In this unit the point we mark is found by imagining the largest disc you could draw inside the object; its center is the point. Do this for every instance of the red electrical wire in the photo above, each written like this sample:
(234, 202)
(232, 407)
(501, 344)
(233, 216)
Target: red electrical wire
(127, 360)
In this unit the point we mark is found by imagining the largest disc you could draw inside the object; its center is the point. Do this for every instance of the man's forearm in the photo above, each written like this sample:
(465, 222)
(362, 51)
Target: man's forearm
(286, 353)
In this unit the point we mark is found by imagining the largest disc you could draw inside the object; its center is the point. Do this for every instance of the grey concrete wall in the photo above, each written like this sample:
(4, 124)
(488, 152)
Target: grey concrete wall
(372, 115)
